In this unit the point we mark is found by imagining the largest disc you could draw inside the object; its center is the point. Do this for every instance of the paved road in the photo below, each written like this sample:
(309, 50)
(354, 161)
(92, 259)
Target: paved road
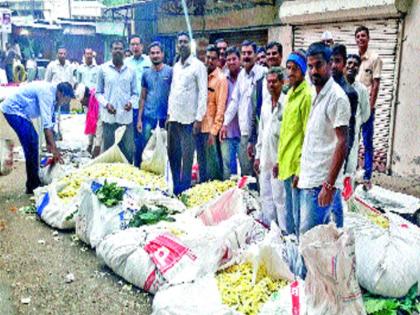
(34, 264)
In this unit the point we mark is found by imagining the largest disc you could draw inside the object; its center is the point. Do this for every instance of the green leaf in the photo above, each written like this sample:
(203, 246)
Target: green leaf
(375, 305)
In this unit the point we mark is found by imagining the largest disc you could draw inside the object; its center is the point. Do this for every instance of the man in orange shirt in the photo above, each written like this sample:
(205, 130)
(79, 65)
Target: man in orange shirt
(207, 154)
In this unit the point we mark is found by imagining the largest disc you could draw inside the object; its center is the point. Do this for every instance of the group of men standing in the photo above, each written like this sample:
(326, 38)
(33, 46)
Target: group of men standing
(299, 137)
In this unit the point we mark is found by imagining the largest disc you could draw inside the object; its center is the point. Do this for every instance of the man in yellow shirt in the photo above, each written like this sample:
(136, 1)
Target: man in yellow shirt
(292, 132)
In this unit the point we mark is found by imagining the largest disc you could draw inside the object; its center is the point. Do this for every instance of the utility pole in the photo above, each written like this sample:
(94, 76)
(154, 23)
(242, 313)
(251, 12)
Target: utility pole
(69, 4)
(132, 23)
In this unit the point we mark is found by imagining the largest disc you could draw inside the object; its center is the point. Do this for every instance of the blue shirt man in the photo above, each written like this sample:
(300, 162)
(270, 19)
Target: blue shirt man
(31, 101)
(153, 110)
(139, 63)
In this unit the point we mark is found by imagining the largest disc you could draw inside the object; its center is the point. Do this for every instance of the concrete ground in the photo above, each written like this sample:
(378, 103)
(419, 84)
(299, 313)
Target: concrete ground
(34, 264)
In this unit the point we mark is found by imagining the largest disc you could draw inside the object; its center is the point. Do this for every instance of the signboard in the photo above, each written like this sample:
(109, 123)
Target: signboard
(6, 21)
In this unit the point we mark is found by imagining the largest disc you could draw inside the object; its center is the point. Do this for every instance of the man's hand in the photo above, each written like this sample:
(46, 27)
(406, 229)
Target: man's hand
(111, 109)
(223, 133)
(325, 197)
(57, 156)
(211, 140)
(128, 107)
(295, 181)
(257, 166)
(139, 126)
(250, 150)
(276, 171)
(96, 151)
(196, 127)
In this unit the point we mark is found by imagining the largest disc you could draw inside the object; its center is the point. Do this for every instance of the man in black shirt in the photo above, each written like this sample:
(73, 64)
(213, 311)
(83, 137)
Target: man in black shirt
(338, 64)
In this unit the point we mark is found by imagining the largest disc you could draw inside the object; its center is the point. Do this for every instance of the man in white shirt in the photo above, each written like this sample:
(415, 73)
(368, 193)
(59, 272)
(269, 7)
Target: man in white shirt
(59, 70)
(325, 144)
(260, 92)
(271, 188)
(116, 93)
(87, 73)
(187, 106)
(241, 102)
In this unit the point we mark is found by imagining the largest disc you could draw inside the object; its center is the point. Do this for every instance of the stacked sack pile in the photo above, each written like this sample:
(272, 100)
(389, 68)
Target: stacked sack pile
(205, 253)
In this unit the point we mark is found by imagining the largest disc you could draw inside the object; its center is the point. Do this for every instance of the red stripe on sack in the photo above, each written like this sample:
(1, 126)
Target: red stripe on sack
(294, 291)
(150, 280)
(367, 205)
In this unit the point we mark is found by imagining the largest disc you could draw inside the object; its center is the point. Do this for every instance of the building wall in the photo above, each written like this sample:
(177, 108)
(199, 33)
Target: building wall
(245, 18)
(283, 35)
(406, 150)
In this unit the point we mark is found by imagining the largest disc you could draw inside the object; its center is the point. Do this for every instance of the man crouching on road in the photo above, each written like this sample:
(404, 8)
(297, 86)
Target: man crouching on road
(36, 99)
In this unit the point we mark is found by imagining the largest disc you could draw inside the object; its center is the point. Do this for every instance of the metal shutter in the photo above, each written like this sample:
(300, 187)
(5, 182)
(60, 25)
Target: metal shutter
(236, 38)
(383, 39)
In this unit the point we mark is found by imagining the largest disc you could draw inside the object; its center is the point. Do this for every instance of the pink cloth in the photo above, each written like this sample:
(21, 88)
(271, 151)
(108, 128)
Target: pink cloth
(92, 114)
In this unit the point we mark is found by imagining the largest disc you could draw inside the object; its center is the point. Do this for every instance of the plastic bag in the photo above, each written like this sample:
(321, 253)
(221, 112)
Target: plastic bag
(54, 211)
(290, 300)
(114, 153)
(270, 253)
(50, 171)
(384, 200)
(200, 297)
(231, 202)
(6, 156)
(155, 156)
(168, 254)
(95, 220)
(163, 254)
(387, 260)
(330, 285)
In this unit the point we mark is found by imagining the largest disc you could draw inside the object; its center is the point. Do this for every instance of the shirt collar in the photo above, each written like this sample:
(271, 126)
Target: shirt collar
(66, 63)
(253, 71)
(300, 87)
(326, 87)
(139, 60)
(187, 62)
(111, 64)
(215, 73)
(366, 55)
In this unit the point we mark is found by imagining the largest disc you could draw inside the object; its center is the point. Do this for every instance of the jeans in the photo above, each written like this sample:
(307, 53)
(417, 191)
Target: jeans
(127, 142)
(9, 72)
(148, 124)
(230, 150)
(28, 138)
(244, 161)
(367, 132)
(292, 205)
(337, 213)
(137, 139)
(272, 199)
(311, 214)
(208, 159)
(181, 154)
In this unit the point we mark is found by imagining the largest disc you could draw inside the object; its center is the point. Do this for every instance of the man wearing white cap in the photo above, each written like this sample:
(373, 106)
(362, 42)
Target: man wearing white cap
(327, 38)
